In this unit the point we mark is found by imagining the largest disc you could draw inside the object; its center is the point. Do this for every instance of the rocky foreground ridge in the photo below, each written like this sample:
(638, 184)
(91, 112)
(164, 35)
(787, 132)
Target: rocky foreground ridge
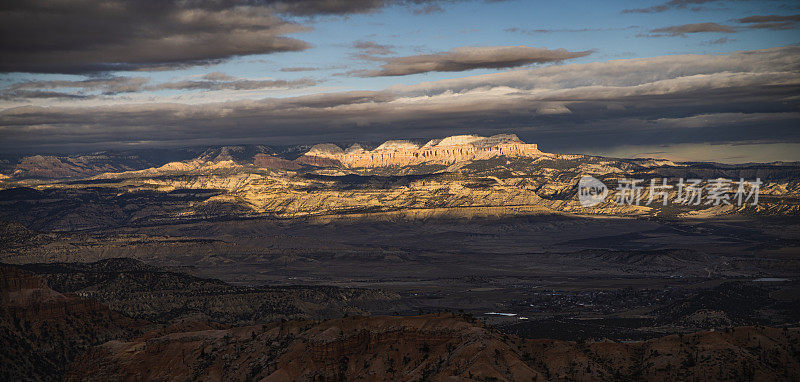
(52, 336)
(42, 330)
(437, 348)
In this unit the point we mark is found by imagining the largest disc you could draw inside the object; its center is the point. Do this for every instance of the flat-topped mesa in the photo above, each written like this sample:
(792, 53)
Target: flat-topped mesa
(438, 151)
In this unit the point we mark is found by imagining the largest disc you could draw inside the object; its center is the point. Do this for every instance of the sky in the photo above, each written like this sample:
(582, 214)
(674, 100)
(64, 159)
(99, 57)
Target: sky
(691, 80)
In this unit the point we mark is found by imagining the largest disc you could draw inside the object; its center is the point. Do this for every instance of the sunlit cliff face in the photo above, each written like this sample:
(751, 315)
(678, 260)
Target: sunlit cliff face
(438, 151)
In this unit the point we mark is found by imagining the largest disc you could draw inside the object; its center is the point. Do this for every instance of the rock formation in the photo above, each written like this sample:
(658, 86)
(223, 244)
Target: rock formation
(46, 166)
(42, 330)
(446, 151)
(123, 283)
(433, 347)
(273, 162)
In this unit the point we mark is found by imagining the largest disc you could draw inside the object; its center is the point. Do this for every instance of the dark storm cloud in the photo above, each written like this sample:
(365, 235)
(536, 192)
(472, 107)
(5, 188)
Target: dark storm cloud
(43, 36)
(468, 58)
(682, 30)
(746, 96)
(100, 35)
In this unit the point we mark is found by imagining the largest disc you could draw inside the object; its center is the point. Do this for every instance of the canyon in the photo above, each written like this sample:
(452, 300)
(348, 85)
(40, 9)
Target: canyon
(82, 339)
(460, 176)
(462, 257)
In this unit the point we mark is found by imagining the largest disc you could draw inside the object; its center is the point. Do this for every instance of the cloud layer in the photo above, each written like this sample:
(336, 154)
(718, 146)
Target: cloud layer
(373, 48)
(114, 85)
(346, 7)
(682, 30)
(101, 35)
(232, 84)
(672, 4)
(87, 36)
(773, 22)
(748, 96)
(467, 58)
(45, 89)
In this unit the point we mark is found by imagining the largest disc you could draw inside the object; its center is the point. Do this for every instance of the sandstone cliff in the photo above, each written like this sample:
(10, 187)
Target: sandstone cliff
(449, 150)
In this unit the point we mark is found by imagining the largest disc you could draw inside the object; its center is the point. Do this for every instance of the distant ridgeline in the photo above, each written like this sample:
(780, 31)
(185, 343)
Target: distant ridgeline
(439, 151)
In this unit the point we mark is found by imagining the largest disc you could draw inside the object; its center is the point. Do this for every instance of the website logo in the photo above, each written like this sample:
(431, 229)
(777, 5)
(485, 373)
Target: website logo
(591, 191)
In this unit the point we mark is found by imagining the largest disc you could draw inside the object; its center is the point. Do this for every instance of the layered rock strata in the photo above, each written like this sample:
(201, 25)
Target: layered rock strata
(446, 151)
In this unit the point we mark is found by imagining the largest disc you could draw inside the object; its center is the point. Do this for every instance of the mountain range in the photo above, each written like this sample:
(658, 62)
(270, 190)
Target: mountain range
(459, 176)
(464, 257)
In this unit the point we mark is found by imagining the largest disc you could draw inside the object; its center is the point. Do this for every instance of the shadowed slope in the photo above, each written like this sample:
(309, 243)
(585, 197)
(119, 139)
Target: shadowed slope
(437, 347)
